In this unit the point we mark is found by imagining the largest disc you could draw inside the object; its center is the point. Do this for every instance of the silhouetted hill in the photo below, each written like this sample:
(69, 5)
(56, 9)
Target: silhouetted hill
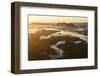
(66, 24)
(76, 25)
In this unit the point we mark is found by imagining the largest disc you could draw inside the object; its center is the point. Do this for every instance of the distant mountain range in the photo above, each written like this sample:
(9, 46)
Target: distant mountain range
(77, 25)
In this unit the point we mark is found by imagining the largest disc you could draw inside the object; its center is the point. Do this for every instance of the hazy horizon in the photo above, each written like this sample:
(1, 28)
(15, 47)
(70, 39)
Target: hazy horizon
(56, 19)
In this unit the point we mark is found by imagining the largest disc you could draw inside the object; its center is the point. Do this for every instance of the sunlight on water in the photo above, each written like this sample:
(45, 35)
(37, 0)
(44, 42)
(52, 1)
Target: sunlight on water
(35, 30)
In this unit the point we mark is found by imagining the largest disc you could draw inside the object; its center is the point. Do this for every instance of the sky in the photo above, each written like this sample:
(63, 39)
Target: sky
(55, 19)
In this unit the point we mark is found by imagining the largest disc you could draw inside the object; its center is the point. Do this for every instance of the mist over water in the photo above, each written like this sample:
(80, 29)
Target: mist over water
(59, 52)
(65, 33)
(58, 33)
